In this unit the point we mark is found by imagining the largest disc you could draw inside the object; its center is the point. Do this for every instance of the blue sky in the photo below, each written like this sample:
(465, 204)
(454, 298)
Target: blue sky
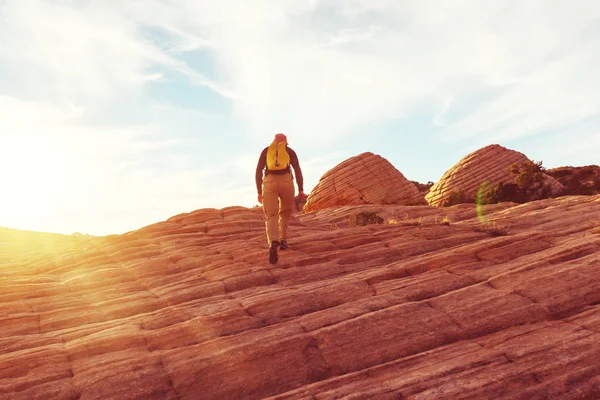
(115, 115)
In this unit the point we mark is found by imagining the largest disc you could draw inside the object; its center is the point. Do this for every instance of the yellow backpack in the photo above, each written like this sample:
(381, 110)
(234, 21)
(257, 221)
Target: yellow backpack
(277, 156)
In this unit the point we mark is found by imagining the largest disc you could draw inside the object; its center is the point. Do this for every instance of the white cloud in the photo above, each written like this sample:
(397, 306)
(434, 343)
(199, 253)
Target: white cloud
(316, 69)
(58, 175)
(62, 61)
(66, 51)
(328, 66)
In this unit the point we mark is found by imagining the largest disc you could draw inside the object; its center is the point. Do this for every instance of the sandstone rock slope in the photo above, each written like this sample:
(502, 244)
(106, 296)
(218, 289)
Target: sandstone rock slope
(364, 179)
(190, 308)
(486, 166)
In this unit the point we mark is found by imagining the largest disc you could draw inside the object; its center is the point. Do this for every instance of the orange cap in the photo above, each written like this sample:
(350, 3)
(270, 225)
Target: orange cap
(280, 137)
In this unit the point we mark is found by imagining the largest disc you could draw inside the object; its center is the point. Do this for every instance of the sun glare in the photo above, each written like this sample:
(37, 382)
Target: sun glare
(39, 177)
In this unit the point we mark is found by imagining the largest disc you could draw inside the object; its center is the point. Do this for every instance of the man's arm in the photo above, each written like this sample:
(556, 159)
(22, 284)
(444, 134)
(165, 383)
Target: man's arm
(260, 166)
(297, 170)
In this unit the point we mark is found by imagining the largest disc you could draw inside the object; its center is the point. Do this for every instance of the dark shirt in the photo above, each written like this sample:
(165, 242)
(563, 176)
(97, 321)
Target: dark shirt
(261, 168)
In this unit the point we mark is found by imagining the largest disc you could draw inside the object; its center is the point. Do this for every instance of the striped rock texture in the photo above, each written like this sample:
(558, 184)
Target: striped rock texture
(364, 179)
(190, 308)
(486, 166)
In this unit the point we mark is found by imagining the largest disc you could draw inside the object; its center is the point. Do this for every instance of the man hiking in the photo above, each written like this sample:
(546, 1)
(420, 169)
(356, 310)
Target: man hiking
(276, 190)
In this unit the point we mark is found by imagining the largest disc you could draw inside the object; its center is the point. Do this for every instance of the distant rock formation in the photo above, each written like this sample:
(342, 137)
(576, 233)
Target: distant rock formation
(364, 179)
(485, 167)
(423, 187)
(578, 180)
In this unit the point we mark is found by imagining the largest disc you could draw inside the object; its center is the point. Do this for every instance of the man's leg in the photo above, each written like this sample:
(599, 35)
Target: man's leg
(286, 204)
(270, 207)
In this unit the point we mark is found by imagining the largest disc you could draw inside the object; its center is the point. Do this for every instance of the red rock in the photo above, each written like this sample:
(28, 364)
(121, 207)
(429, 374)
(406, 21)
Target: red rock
(578, 180)
(190, 308)
(482, 169)
(364, 179)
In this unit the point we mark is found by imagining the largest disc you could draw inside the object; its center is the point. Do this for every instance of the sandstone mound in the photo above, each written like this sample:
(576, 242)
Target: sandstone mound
(485, 167)
(364, 179)
(190, 308)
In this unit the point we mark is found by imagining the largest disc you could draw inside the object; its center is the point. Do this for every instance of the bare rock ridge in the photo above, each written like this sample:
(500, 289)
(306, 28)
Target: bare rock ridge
(486, 166)
(364, 179)
(190, 308)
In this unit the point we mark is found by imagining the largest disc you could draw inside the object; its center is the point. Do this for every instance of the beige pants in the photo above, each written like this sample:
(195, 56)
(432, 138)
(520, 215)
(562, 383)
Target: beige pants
(278, 198)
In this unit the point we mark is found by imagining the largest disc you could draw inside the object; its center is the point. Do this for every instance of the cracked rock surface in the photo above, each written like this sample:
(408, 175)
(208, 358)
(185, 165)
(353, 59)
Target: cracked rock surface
(190, 308)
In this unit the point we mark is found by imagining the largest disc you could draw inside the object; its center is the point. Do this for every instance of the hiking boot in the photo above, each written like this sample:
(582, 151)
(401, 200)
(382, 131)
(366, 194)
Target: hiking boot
(273, 252)
(283, 244)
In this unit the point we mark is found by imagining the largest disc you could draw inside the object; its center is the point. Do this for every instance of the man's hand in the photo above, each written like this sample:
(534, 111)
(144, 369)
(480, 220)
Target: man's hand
(260, 198)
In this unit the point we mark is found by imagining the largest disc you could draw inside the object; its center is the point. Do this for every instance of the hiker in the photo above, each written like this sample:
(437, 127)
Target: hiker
(276, 190)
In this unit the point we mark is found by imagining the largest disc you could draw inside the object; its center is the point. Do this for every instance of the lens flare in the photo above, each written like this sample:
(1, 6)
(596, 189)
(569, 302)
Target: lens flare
(483, 189)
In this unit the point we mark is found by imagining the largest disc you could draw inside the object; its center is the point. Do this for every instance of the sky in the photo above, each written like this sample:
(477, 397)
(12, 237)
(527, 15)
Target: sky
(118, 114)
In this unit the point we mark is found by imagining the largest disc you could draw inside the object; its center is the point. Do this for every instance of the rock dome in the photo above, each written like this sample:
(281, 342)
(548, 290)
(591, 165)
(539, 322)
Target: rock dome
(488, 166)
(364, 179)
